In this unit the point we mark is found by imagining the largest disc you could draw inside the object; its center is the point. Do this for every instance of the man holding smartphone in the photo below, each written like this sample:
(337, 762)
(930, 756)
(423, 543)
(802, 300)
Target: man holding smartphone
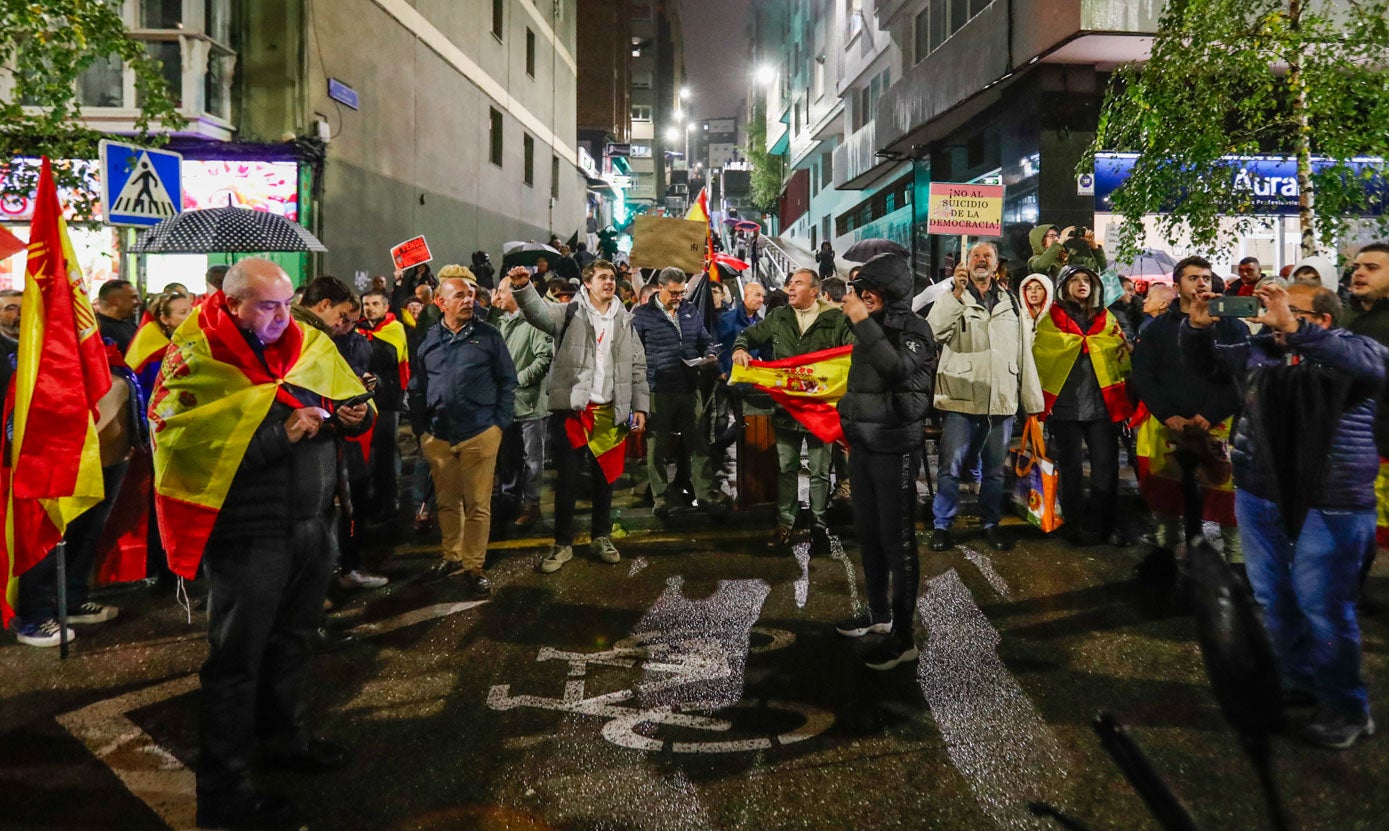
(462, 393)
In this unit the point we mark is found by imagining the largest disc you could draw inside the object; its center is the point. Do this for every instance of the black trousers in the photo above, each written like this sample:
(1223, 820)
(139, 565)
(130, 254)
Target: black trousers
(884, 502)
(1101, 438)
(265, 599)
(569, 464)
(385, 468)
(351, 529)
(38, 587)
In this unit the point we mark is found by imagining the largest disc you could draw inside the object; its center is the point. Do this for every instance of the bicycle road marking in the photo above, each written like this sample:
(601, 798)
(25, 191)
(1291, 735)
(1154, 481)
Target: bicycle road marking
(147, 769)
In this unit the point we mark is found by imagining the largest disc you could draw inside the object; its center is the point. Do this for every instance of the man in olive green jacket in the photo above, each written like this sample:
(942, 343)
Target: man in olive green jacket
(520, 465)
(807, 324)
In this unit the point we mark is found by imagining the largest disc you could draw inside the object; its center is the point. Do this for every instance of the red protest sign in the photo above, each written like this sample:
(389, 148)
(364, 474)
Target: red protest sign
(412, 252)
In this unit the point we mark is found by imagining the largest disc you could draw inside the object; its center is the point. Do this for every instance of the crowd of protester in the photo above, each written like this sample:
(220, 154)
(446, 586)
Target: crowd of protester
(1273, 416)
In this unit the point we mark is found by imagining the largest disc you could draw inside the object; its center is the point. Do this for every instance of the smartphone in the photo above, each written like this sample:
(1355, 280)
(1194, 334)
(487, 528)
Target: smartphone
(357, 399)
(1234, 307)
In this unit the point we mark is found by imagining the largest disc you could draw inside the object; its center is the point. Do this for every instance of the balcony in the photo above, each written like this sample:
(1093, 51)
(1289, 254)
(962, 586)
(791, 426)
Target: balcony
(856, 165)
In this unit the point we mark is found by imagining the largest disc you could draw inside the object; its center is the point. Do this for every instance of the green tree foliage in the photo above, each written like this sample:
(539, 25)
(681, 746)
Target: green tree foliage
(44, 47)
(768, 170)
(1246, 77)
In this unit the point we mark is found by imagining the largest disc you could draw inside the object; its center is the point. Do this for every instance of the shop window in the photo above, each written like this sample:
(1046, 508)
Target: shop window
(530, 52)
(494, 135)
(528, 165)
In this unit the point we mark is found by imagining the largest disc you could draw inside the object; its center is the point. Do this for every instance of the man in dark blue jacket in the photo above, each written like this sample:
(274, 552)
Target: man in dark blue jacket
(672, 332)
(1304, 464)
(462, 391)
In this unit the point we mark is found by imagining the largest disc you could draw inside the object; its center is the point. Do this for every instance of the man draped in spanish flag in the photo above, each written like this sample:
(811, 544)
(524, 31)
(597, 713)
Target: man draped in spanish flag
(1083, 365)
(245, 467)
(807, 325)
(390, 363)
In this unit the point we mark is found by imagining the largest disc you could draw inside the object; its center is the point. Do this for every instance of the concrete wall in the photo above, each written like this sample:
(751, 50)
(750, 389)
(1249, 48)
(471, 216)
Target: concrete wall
(414, 159)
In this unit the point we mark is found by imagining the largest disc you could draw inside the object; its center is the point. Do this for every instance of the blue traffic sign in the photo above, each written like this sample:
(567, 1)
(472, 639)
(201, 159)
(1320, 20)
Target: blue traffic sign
(139, 186)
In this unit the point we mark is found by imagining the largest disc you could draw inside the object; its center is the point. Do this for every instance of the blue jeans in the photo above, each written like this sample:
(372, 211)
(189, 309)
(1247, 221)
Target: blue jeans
(1307, 588)
(964, 438)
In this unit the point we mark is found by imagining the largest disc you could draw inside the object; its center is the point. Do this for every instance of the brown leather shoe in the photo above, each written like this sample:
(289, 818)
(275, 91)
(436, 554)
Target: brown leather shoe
(530, 512)
(780, 538)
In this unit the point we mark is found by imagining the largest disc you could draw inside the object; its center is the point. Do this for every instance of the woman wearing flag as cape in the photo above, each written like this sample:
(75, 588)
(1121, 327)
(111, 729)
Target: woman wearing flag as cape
(1083, 364)
(598, 387)
(245, 469)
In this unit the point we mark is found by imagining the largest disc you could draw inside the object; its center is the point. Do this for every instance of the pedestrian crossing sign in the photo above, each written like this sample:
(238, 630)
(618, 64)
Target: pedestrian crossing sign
(139, 186)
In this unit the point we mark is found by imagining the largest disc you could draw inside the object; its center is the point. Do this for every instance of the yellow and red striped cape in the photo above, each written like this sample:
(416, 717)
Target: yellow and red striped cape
(1059, 341)
(212, 395)
(392, 331)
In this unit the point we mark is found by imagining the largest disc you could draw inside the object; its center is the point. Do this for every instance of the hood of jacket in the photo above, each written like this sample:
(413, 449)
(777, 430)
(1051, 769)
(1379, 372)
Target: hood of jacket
(889, 277)
(1037, 235)
(305, 315)
(1047, 287)
(1072, 272)
(582, 298)
(1324, 267)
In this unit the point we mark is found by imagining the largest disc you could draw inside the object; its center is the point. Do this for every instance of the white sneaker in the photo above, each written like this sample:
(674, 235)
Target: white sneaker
(358, 579)
(42, 633)
(559, 555)
(90, 612)
(606, 551)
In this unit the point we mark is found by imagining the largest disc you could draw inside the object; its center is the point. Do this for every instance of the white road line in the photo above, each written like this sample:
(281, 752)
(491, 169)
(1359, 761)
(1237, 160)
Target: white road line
(993, 734)
(150, 772)
(986, 568)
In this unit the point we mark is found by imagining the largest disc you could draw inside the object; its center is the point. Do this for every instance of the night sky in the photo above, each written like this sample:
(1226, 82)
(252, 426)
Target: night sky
(716, 62)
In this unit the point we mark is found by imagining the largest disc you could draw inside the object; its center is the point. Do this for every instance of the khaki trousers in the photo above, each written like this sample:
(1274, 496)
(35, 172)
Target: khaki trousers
(463, 488)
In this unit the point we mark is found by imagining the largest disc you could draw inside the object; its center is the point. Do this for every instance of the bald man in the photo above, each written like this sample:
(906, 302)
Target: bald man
(270, 553)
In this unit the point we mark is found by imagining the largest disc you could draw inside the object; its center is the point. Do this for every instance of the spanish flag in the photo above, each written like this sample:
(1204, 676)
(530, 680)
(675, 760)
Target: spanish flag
(146, 353)
(606, 439)
(53, 471)
(699, 208)
(212, 395)
(1060, 341)
(807, 386)
(391, 331)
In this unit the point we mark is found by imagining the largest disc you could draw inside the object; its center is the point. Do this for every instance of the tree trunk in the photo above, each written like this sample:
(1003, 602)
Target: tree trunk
(1306, 216)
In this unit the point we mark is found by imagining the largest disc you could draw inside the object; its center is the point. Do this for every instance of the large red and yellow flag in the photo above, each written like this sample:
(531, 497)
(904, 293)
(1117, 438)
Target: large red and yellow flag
(595, 427)
(391, 331)
(1060, 341)
(699, 208)
(54, 463)
(212, 395)
(807, 386)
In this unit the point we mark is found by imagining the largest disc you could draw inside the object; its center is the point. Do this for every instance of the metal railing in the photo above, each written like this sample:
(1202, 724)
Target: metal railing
(773, 263)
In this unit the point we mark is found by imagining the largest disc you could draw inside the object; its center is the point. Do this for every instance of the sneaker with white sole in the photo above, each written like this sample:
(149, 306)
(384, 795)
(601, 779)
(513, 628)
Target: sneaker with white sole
(1336, 731)
(42, 633)
(358, 579)
(860, 625)
(604, 549)
(559, 555)
(889, 653)
(90, 612)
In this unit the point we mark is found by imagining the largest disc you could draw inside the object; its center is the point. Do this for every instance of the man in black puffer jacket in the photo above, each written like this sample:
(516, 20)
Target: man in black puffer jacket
(1305, 464)
(883, 413)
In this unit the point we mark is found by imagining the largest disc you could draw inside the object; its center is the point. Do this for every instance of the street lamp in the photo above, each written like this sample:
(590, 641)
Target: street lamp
(766, 75)
(684, 93)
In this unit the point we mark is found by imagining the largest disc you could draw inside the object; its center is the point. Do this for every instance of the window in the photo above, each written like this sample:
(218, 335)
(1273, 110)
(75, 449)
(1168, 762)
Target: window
(495, 136)
(920, 35)
(641, 151)
(498, 18)
(169, 56)
(642, 79)
(530, 52)
(641, 112)
(161, 14)
(939, 30)
(827, 171)
(102, 84)
(554, 177)
(528, 165)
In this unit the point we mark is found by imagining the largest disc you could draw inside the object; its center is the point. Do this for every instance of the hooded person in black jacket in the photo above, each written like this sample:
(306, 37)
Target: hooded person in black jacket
(883, 413)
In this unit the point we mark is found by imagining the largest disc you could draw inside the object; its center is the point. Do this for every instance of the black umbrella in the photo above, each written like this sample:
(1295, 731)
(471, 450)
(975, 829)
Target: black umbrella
(226, 231)
(866, 249)
(527, 253)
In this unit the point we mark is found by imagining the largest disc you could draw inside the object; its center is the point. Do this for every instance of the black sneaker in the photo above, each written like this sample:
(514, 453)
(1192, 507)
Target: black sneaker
(246, 811)
(819, 539)
(1337, 732)
(890, 653)
(860, 625)
(440, 570)
(476, 583)
(998, 541)
(940, 540)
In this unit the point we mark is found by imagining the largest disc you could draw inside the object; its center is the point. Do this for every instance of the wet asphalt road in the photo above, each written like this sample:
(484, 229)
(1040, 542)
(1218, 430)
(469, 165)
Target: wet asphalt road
(697, 684)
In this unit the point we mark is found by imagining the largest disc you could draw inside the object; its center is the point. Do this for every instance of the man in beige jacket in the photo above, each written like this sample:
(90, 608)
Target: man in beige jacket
(985, 367)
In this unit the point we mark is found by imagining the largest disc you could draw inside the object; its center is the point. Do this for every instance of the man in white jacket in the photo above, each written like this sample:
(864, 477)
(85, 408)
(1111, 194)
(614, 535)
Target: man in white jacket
(985, 367)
